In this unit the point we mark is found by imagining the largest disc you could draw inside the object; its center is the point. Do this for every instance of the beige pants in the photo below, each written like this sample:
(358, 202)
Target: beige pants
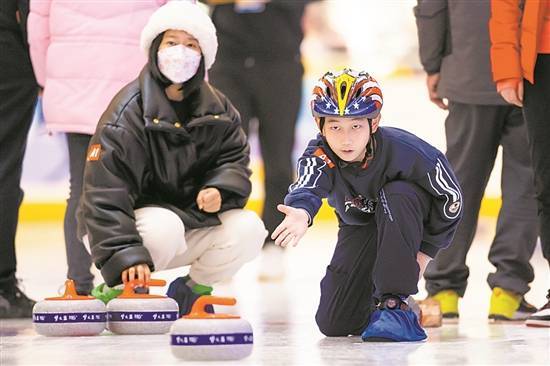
(214, 253)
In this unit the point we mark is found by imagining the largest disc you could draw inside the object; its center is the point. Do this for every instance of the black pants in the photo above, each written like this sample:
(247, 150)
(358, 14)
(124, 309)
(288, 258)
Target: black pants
(18, 92)
(271, 92)
(474, 134)
(536, 110)
(78, 258)
(374, 259)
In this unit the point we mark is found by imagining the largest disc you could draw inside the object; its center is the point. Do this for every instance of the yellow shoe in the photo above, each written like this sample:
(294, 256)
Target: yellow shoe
(448, 300)
(503, 305)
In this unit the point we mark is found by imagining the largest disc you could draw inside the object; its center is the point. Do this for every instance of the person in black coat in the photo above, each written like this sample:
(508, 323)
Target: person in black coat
(18, 93)
(167, 172)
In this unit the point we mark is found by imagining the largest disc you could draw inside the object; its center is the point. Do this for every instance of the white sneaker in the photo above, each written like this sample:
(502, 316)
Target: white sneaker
(272, 264)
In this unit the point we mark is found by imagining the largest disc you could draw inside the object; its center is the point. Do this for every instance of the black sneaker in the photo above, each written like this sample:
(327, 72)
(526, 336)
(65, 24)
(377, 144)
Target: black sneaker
(524, 311)
(393, 302)
(184, 296)
(14, 303)
(84, 290)
(542, 317)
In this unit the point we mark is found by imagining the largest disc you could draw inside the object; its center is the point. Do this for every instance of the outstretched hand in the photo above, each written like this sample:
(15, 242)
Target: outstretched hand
(293, 227)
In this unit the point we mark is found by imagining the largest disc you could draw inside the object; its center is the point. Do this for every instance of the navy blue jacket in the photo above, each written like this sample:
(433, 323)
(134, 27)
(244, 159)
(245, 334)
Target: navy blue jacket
(353, 190)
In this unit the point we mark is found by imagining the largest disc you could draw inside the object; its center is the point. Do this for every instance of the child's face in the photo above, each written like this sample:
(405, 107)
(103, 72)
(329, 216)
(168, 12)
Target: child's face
(347, 137)
(177, 37)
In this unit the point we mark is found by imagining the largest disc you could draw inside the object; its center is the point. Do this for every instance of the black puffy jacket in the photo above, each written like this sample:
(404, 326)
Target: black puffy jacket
(141, 155)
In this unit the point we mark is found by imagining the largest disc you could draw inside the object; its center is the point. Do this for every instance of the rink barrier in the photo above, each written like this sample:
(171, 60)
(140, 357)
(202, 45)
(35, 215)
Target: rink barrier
(55, 211)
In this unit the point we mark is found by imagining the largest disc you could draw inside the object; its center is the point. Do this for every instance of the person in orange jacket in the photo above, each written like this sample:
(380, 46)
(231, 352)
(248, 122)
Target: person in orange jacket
(479, 121)
(520, 59)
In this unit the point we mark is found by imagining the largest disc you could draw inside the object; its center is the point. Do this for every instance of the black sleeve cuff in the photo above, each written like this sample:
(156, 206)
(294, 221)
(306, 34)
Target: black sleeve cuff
(432, 71)
(123, 259)
(232, 180)
(429, 249)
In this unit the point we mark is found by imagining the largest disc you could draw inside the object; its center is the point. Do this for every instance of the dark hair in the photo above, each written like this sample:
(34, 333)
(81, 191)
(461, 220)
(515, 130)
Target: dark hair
(153, 62)
(321, 124)
(193, 84)
(190, 86)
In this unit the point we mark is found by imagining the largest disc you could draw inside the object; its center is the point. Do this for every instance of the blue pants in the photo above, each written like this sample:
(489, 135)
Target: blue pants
(373, 259)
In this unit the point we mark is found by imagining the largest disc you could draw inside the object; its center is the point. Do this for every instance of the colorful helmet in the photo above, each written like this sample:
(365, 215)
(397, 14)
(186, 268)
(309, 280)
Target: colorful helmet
(346, 93)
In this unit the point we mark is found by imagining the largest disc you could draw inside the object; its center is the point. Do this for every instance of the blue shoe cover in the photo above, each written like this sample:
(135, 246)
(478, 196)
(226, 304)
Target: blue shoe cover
(393, 326)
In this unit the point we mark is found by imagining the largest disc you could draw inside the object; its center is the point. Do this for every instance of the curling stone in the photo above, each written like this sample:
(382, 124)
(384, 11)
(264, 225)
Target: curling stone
(69, 315)
(132, 313)
(204, 336)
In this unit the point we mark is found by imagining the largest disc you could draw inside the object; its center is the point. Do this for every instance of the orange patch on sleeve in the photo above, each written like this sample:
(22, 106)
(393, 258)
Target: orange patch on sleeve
(320, 153)
(94, 152)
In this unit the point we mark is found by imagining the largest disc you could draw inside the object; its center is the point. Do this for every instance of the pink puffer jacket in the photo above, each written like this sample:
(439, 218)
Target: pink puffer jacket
(83, 53)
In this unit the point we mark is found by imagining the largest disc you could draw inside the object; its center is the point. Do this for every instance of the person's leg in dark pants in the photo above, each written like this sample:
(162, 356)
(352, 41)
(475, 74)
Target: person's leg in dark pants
(17, 102)
(229, 77)
(400, 215)
(517, 225)
(272, 93)
(346, 290)
(402, 209)
(278, 91)
(536, 111)
(79, 260)
(18, 92)
(473, 135)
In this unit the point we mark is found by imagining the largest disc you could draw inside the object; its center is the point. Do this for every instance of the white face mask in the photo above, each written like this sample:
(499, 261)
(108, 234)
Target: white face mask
(178, 63)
